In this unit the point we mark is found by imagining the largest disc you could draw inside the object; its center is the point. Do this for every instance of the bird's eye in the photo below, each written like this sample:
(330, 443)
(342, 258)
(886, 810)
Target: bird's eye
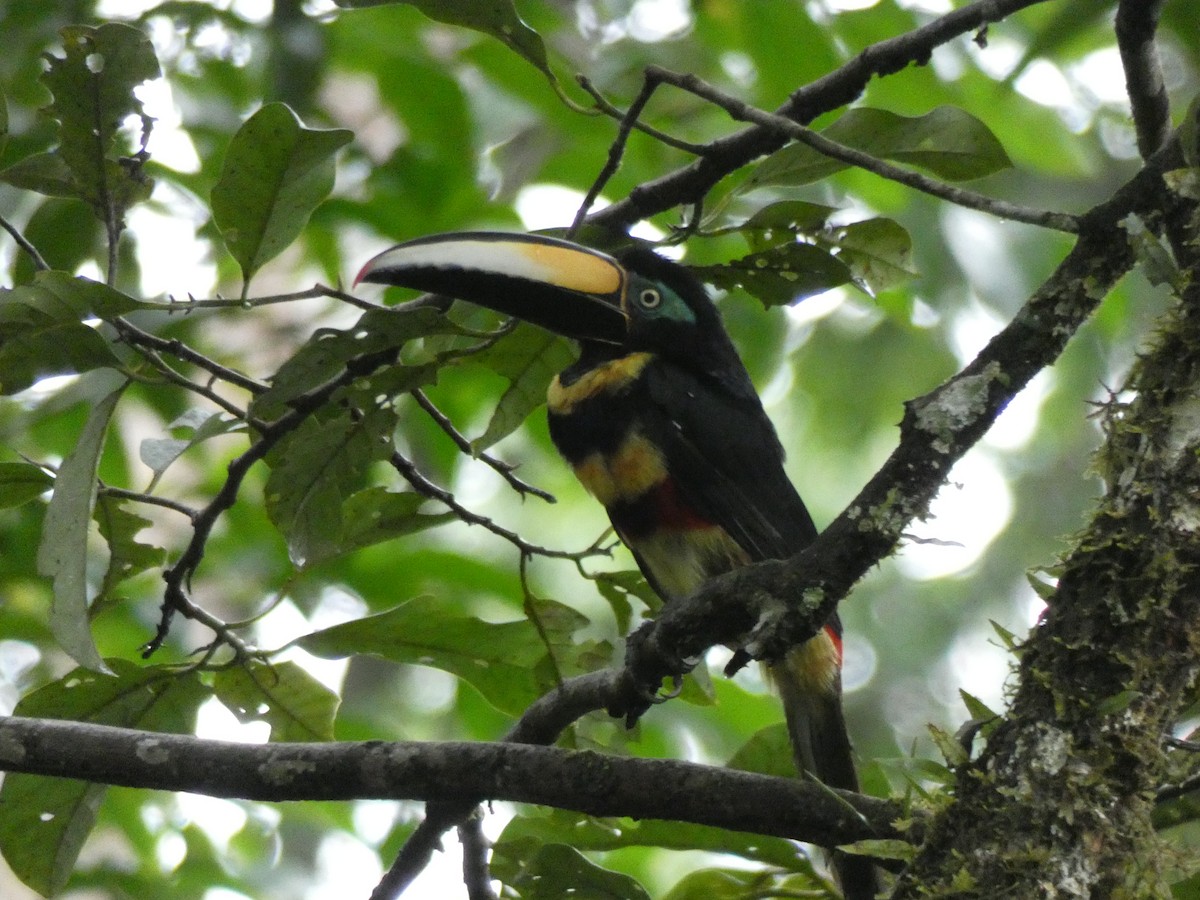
(649, 298)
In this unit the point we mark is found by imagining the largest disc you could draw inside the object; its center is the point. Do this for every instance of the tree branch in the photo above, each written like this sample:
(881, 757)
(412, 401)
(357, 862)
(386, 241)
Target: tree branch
(744, 112)
(586, 781)
(692, 182)
(1111, 667)
(1137, 21)
(772, 606)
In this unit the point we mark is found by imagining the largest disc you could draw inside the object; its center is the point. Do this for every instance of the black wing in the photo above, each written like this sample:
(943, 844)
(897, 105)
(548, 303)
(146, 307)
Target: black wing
(726, 460)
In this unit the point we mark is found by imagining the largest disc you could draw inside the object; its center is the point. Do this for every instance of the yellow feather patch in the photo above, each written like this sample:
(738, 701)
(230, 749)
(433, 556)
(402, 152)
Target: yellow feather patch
(609, 377)
(683, 560)
(812, 668)
(635, 467)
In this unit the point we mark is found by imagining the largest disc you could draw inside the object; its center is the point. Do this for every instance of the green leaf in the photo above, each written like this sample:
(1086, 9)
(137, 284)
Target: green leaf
(127, 556)
(768, 751)
(330, 350)
(93, 87)
(496, 18)
(85, 298)
(315, 468)
(159, 453)
(877, 251)
(781, 222)
(376, 515)
(736, 884)
(592, 833)
(780, 275)
(978, 710)
(47, 173)
(553, 871)
(617, 588)
(22, 482)
(291, 701)
(497, 658)
(41, 335)
(62, 552)
(44, 821)
(529, 358)
(275, 174)
(948, 141)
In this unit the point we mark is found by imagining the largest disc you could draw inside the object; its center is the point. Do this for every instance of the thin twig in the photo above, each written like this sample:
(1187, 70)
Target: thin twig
(615, 152)
(38, 262)
(422, 485)
(134, 335)
(175, 599)
(662, 137)
(1136, 24)
(318, 290)
(744, 112)
(505, 470)
(149, 499)
(831, 91)
(167, 372)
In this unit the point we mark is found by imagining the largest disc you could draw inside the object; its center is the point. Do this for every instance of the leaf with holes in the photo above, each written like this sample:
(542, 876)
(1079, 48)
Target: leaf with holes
(315, 468)
(93, 95)
(781, 275)
(127, 556)
(45, 821)
(290, 700)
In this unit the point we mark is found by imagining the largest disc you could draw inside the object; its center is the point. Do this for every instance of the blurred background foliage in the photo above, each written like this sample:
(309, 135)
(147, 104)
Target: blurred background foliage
(453, 129)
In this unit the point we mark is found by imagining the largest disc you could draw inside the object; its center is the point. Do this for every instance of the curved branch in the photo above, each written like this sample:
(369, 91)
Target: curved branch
(772, 606)
(692, 182)
(591, 782)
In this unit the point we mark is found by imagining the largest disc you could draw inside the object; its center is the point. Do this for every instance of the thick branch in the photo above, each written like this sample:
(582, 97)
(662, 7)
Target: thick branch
(775, 605)
(590, 782)
(1110, 668)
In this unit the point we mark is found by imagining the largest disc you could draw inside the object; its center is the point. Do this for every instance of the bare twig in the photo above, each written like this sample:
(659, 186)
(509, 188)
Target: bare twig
(829, 92)
(175, 599)
(168, 372)
(150, 499)
(611, 111)
(38, 262)
(422, 485)
(1137, 21)
(505, 470)
(318, 290)
(746, 113)
(615, 152)
(137, 337)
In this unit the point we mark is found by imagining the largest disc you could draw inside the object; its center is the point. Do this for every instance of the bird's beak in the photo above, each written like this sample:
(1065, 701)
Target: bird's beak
(569, 289)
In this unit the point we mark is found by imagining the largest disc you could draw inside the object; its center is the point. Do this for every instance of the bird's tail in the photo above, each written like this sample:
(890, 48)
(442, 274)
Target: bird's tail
(809, 681)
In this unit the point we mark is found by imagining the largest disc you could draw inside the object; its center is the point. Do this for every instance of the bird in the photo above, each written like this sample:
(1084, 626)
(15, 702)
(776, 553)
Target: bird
(661, 423)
